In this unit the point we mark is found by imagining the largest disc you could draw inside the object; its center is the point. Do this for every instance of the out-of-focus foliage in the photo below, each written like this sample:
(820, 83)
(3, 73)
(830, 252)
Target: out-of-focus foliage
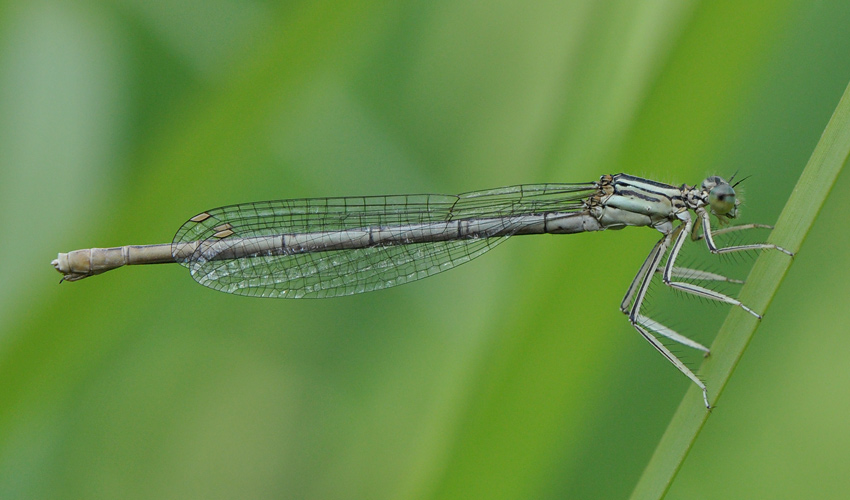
(511, 377)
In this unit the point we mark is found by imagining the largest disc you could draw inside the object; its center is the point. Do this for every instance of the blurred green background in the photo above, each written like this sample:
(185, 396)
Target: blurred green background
(512, 377)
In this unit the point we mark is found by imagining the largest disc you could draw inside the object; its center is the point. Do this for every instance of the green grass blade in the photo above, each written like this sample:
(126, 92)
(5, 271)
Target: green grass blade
(827, 160)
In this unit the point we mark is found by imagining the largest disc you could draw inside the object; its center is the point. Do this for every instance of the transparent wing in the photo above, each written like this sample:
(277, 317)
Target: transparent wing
(345, 272)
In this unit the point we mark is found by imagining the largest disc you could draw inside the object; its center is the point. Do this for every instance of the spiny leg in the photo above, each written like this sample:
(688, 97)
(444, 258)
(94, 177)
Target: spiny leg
(644, 275)
(696, 289)
(696, 236)
(641, 323)
(709, 240)
(644, 325)
(712, 247)
(697, 274)
(625, 305)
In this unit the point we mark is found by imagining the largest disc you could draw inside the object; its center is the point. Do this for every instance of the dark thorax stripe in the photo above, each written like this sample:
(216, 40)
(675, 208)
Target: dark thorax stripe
(644, 189)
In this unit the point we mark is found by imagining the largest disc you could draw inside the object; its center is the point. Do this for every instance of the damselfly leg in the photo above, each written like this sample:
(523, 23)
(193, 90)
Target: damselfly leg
(635, 295)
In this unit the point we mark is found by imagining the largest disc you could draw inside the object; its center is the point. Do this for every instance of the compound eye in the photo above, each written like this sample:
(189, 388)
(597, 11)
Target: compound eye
(722, 200)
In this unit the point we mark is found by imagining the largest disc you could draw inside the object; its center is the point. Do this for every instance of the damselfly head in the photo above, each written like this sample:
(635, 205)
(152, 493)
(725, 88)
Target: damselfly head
(721, 198)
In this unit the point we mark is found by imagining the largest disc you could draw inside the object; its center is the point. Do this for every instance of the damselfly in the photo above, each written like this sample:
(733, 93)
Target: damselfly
(328, 247)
